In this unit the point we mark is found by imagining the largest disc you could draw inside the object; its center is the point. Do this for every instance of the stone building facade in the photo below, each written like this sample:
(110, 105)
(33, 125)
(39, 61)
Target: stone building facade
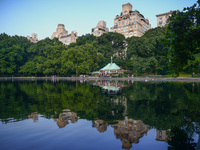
(100, 29)
(63, 36)
(130, 23)
(34, 38)
(162, 19)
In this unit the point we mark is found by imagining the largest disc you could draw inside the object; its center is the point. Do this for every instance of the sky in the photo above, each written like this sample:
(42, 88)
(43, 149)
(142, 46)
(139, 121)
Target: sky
(24, 17)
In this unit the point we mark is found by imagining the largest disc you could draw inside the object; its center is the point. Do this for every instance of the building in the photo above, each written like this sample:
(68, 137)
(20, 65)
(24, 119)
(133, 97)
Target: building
(34, 38)
(100, 29)
(130, 23)
(63, 36)
(162, 19)
(112, 68)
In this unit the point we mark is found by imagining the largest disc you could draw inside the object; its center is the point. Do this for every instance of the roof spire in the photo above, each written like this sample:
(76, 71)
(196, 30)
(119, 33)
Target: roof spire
(111, 59)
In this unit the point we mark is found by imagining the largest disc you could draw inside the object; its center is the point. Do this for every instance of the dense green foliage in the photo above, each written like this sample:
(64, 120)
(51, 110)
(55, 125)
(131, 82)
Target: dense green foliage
(89, 53)
(182, 37)
(13, 53)
(147, 54)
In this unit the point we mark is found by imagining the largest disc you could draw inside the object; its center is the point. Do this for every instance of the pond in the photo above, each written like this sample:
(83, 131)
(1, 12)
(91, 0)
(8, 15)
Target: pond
(79, 115)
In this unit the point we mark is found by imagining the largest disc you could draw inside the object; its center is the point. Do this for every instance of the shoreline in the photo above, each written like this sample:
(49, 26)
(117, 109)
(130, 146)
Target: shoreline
(146, 79)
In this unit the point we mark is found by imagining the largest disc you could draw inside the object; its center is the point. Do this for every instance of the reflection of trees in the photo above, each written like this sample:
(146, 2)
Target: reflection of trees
(164, 106)
(182, 138)
(20, 99)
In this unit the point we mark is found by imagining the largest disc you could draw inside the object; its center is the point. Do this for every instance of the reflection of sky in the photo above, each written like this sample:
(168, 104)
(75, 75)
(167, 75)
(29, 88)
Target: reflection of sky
(149, 142)
(45, 134)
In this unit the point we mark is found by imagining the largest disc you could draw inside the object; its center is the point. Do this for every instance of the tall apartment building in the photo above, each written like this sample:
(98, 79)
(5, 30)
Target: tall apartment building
(34, 38)
(130, 23)
(100, 29)
(63, 36)
(162, 19)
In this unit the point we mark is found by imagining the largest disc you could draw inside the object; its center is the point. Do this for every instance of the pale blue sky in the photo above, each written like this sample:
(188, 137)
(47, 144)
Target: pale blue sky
(23, 17)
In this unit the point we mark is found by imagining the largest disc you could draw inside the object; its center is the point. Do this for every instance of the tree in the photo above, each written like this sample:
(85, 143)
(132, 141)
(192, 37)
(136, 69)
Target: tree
(182, 37)
(13, 53)
(148, 54)
(111, 44)
(45, 57)
(80, 59)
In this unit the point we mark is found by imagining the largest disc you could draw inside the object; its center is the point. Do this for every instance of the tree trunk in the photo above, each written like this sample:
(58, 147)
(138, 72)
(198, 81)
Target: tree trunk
(18, 69)
(156, 70)
(76, 72)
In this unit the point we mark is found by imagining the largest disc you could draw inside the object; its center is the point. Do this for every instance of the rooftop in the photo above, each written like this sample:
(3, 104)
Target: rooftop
(111, 66)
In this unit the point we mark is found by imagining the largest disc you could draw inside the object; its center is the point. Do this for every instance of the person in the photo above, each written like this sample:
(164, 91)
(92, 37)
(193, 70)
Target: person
(193, 74)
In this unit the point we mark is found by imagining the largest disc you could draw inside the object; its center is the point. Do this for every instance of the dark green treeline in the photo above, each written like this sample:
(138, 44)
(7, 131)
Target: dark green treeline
(20, 57)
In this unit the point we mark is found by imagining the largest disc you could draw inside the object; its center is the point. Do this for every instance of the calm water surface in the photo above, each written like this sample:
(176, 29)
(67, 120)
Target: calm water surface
(78, 115)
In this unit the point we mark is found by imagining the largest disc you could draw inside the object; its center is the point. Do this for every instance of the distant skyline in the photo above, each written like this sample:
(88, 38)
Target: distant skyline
(24, 17)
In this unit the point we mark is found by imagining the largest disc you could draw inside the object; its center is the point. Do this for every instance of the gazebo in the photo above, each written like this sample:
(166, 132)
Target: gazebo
(111, 68)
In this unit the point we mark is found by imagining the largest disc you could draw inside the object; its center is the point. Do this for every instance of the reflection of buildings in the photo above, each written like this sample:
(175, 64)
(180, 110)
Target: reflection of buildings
(161, 135)
(33, 116)
(64, 118)
(100, 125)
(111, 87)
(130, 131)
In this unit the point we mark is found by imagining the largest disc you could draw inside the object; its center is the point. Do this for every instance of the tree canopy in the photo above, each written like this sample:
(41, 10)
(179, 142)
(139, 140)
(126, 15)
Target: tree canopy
(148, 54)
(182, 37)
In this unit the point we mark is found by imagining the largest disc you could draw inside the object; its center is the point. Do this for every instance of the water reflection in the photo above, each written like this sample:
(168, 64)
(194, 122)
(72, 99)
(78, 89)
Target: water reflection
(111, 87)
(33, 116)
(131, 109)
(162, 135)
(130, 131)
(101, 125)
(65, 117)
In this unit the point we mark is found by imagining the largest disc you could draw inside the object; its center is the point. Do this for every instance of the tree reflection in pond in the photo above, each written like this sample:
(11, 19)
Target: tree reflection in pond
(137, 107)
